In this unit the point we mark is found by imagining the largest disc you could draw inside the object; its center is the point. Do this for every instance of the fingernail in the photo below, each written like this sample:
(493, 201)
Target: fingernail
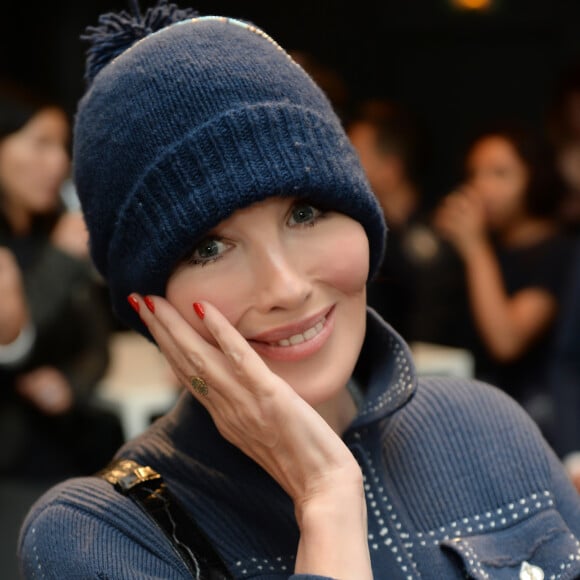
(199, 309)
(149, 303)
(134, 303)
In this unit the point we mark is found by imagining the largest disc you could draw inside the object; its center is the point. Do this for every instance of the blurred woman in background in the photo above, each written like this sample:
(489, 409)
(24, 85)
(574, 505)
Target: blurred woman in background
(54, 330)
(501, 221)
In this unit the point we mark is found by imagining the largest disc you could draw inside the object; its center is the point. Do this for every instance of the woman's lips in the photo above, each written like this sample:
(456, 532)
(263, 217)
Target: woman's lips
(296, 341)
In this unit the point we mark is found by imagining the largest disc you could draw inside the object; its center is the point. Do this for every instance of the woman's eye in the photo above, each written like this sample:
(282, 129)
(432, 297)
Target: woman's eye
(303, 214)
(207, 251)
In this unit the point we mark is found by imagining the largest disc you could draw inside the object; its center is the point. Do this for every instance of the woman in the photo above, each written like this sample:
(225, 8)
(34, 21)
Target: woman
(563, 130)
(243, 237)
(53, 341)
(502, 223)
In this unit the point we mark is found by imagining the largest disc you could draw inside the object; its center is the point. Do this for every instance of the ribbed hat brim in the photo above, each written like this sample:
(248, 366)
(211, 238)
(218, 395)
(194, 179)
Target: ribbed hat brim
(242, 157)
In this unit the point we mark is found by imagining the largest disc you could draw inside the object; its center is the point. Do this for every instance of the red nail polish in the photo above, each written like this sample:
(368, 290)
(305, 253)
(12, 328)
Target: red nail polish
(199, 309)
(149, 303)
(134, 303)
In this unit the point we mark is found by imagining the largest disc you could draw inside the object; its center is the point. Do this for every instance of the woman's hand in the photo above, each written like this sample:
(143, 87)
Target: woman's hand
(47, 389)
(262, 415)
(460, 219)
(13, 307)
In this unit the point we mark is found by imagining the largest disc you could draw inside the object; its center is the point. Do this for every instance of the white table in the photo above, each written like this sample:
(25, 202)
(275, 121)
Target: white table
(139, 383)
(436, 359)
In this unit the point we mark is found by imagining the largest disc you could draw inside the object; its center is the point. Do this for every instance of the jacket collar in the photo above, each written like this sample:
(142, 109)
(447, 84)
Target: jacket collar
(385, 371)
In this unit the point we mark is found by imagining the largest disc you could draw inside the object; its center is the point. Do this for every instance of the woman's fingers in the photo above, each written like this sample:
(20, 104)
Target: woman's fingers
(248, 368)
(227, 377)
(186, 351)
(231, 383)
(193, 353)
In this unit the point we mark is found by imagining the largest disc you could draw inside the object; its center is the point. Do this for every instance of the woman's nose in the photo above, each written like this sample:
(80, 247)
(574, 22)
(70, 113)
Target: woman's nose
(280, 282)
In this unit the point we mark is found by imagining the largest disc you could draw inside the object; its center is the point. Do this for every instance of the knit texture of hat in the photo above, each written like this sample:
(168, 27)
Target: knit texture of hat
(192, 122)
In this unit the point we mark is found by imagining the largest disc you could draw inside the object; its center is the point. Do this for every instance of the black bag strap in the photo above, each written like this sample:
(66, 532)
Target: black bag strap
(146, 488)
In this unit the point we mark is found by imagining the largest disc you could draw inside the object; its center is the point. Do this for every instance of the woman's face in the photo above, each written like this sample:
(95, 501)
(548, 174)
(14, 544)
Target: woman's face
(569, 165)
(292, 280)
(34, 162)
(499, 176)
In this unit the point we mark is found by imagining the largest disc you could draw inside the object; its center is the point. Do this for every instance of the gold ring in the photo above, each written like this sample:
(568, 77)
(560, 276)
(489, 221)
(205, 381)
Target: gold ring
(199, 386)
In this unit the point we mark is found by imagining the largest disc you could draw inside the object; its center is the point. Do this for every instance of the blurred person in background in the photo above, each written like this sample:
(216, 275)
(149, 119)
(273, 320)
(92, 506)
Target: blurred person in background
(53, 323)
(417, 282)
(502, 222)
(563, 129)
(563, 126)
(328, 78)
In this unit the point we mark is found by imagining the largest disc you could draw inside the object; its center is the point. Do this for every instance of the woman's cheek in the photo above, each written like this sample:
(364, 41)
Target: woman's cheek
(345, 264)
(183, 289)
(195, 284)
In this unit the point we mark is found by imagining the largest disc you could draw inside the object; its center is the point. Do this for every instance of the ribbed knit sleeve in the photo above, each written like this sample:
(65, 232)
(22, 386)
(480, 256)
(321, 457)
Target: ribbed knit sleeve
(85, 529)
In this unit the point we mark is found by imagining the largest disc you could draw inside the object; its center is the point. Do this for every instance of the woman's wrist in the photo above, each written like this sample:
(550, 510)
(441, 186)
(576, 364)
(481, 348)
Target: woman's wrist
(333, 534)
(474, 246)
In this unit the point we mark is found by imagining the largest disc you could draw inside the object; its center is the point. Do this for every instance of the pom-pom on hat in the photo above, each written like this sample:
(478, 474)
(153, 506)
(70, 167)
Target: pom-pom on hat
(187, 119)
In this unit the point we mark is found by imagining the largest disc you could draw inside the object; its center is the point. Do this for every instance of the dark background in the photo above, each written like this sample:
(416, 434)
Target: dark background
(454, 68)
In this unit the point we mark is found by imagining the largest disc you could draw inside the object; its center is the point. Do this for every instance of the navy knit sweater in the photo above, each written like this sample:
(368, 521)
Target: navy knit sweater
(459, 484)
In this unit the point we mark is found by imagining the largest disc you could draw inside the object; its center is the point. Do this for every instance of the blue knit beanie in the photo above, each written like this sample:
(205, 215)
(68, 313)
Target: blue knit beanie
(187, 119)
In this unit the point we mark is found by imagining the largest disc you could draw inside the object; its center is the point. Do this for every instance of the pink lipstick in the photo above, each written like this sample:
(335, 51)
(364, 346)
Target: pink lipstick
(295, 341)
